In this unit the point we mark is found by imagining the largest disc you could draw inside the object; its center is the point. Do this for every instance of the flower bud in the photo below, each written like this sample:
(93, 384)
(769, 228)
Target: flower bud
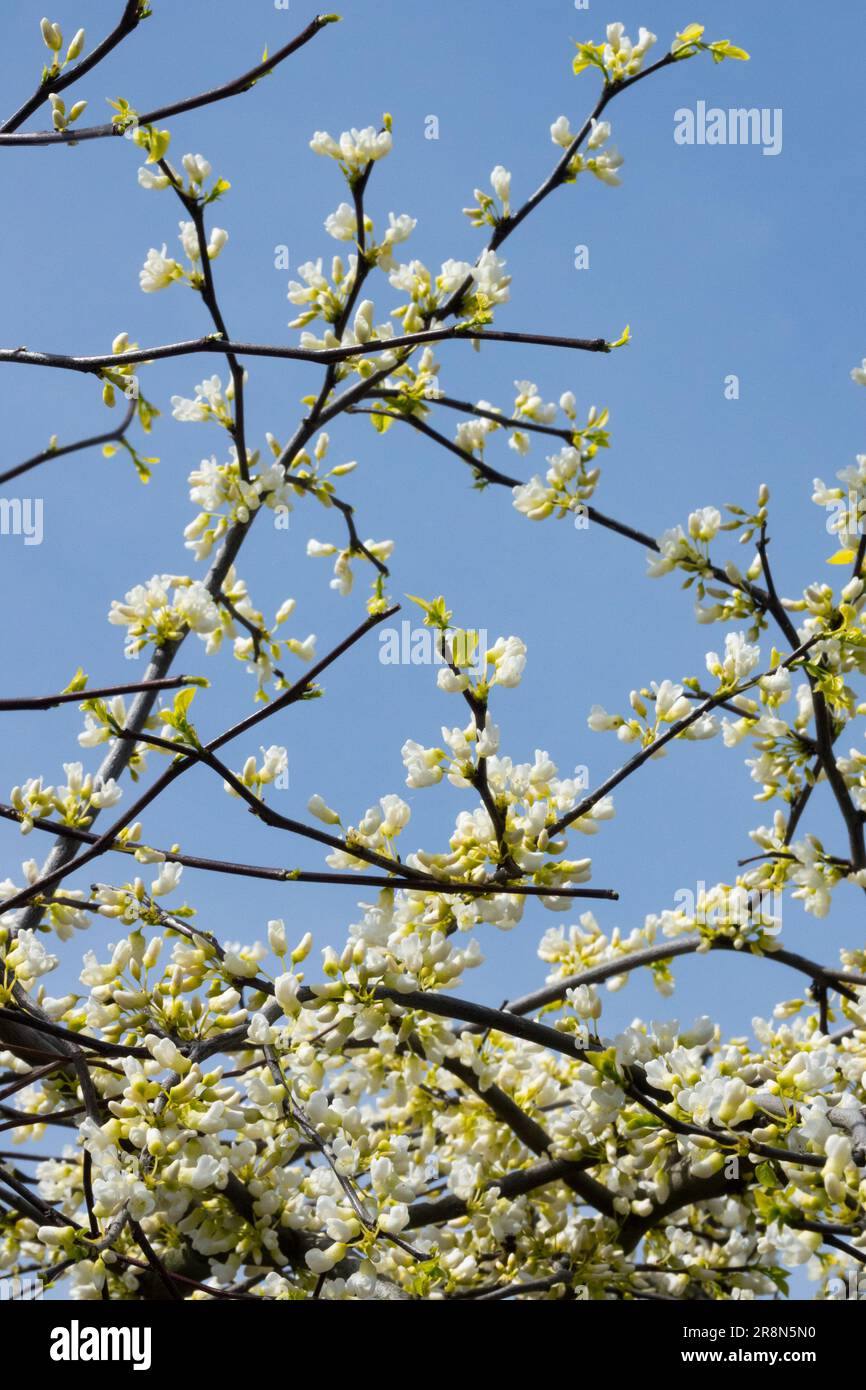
(277, 937)
(51, 35)
(303, 948)
(74, 49)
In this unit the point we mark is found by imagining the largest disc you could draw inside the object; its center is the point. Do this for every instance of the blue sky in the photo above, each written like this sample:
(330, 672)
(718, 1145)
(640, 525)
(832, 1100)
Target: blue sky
(721, 259)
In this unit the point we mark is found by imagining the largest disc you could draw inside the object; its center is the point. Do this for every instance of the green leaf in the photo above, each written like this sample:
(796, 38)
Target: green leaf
(78, 682)
(183, 700)
(436, 614)
(220, 187)
(766, 1175)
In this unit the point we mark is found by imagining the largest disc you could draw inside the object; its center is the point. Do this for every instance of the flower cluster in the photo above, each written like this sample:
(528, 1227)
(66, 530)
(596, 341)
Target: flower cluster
(603, 164)
(161, 270)
(619, 57)
(74, 803)
(355, 149)
(569, 483)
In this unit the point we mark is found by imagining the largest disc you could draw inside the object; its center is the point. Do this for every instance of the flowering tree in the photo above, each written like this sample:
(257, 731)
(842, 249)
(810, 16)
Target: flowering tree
(239, 1124)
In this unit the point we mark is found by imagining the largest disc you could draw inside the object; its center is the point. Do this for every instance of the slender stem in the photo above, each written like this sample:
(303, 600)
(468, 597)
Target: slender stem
(327, 356)
(110, 437)
(485, 413)
(68, 697)
(597, 974)
(514, 1184)
(207, 287)
(8, 135)
(483, 470)
(282, 875)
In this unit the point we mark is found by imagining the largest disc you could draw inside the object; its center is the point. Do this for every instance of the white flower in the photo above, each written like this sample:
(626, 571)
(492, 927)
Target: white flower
(814, 1124)
(452, 275)
(28, 957)
(604, 167)
(362, 326)
(500, 180)
(671, 704)
(216, 242)
(585, 1001)
(158, 271)
(561, 132)
(704, 524)
(508, 655)
(164, 1051)
(275, 763)
(533, 499)
(396, 814)
(777, 683)
(167, 880)
(148, 179)
(672, 547)
(305, 649)
(317, 807)
(208, 1172)
(321, 1261)
(740, 659)
(531, 405)
(189, 241)
(489, 277)
(423, 765)
(197, 167)
(106, 793)
(197, 608)
(452, 682)
(325, 144)
(400, 228)
(599, 135)
(259, 1030)
(858, 374)
(488, 740)
(113, 1189)
(210, 402)
(395, 1218)
(601, 722)
(809, 1071)
(277, 936)
(355, 148)
(286, 988)
(342, 224)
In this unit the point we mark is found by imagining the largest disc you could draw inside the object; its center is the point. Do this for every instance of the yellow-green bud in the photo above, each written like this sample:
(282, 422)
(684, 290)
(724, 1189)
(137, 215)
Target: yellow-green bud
(74, 49)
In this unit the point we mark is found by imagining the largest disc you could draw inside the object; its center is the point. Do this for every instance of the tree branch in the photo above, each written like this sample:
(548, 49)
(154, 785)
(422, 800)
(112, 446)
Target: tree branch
(160, 113)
